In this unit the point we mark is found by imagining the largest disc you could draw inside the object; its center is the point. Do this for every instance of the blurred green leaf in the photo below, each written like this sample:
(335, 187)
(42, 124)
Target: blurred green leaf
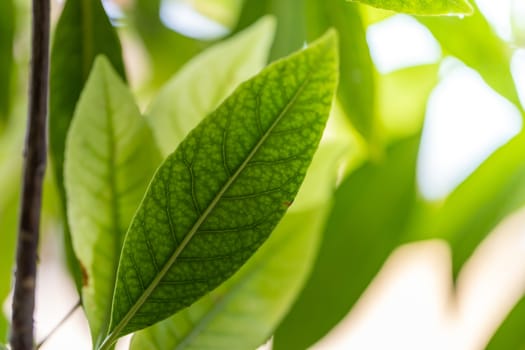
(402, 99)
(82, 32)
(356, 80)
(110, 157)
(290, 35)
(11, 143)
(470, 213)
(423, 7)
(206, 81)
(258, 145)
(517, 17)
(242, 313)
(225, 12)
(510, 333)
(167, 49)
(473, 41)
(371, 209)
(7, 32)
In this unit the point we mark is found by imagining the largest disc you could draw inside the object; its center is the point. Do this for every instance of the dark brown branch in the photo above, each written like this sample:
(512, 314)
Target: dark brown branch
(33, 173)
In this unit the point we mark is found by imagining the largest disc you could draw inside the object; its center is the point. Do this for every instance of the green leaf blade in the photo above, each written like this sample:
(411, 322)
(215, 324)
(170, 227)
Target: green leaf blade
(7, 32)
(110, 158)
(371, 209)
(206, 81)
(423, 7)
(205, 227)
(255, 298)
(83, 31)
(479, 47)
(356, 78)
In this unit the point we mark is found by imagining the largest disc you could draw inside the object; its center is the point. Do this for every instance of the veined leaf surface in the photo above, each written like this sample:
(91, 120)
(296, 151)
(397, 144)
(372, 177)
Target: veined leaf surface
(110, 158)
(82, 32)
(217, 198)
(261, 292)
(423, 7)
(242, 313)
(198, 88)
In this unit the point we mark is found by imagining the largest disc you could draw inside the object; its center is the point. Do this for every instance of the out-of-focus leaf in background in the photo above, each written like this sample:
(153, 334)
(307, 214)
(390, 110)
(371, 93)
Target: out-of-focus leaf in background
(198, 88)
(402, 99)
(11, 145)
(423, 7)
(371, 209)
(468, 215)
(82, 32)
(517, 17)
(356, 78)
(167, 49)
(111, 156)
(290, 35)
(510, 333)
(472, 40)
(7, 32)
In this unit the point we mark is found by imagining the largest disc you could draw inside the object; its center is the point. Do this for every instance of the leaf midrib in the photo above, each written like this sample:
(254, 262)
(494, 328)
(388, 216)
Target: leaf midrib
(229, 295)
(145, 295)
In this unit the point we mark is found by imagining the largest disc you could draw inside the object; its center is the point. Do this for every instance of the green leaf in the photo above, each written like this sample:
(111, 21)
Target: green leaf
(167, 49)
(402, 99)
(356, 77)
(7, 31)
(468, 215)
(263, 289)
(206, 81)
(3, 347)
(217, 198)
(82, 32)
(479, 47)
(290, 35)
(242, 313)
(423, 7)
(11, 143)
(371, 210)
(110, 158)
(510, 333)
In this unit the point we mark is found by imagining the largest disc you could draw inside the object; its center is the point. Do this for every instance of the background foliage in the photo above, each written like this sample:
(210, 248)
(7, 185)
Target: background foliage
(361, 199)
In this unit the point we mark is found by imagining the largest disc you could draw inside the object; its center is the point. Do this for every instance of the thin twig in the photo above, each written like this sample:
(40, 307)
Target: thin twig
(59, 324)
(33, 173)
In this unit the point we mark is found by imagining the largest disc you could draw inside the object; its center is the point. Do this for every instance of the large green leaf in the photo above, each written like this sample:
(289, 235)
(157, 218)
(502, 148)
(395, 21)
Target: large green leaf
(473, 41)
(242, 313)
(490, 193)
(206, 81)
(217, 198)
(110, 158)
(7, 30)
(371, 210)
(263, 289)
(82, 32)
(290, 35)
(423, 7)
(356, 79)
(510, 333)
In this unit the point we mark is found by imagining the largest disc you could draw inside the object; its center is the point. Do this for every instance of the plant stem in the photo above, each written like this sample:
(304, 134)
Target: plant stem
(59, 324)
(21, 337)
